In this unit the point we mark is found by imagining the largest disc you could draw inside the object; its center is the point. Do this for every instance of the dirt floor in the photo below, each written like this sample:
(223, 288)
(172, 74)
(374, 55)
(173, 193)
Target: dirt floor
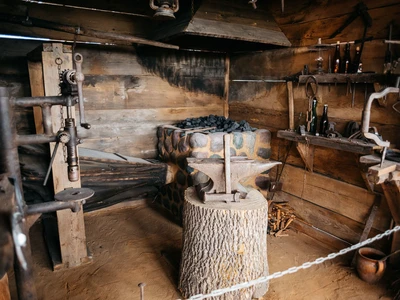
(131, 245)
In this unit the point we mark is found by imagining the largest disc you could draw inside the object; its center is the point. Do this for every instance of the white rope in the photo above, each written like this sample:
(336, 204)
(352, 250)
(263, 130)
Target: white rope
(292, 270)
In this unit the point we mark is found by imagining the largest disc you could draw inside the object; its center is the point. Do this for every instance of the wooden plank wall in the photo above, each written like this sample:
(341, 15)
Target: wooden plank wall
(334, 198)
(129, 93)
(14, 71)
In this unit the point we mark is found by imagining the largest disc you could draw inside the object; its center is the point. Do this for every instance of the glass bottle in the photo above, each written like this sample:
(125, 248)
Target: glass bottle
(314, 118)
(357, 65)
(336, 59)
(324, 124)
(347, 60)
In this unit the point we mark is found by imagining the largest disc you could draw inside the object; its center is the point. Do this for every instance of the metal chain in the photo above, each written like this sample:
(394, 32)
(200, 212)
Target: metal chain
(59, 62)
(292, 270)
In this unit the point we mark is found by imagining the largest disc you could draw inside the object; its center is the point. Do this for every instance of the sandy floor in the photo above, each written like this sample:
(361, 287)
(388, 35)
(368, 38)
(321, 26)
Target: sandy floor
(127, 246)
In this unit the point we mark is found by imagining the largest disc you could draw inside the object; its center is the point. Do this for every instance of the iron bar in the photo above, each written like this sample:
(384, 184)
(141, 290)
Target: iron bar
(41, 101)
(9, 164)
(35, 139)
(52, 206)
(46, 119)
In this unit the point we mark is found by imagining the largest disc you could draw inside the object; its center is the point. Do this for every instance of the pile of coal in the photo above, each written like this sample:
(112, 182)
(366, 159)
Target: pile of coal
(220, 123)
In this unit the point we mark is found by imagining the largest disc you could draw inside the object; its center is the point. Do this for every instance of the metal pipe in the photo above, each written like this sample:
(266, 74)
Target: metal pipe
(391, 42)
(368, 104)
(72, 152)
(46, 119)
(52, 206)
(41, 101)
(9, 163)
(35, 139)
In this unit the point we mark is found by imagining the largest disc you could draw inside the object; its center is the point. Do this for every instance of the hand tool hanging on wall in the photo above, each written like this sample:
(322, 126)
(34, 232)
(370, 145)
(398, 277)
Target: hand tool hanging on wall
(311, 88)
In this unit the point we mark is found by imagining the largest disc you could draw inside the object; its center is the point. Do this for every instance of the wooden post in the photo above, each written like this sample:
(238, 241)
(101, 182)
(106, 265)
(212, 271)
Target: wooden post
(224, 244)
(289, 85)
(71, 226)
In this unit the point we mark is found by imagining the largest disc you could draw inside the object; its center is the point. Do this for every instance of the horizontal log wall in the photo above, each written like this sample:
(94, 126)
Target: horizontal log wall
(128, 94)
(334, 198)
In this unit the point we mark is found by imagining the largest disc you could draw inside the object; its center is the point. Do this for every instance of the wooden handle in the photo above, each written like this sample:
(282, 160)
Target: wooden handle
(380, 268)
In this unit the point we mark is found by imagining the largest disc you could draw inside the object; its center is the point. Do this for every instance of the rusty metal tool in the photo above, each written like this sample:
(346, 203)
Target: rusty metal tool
(215, 188)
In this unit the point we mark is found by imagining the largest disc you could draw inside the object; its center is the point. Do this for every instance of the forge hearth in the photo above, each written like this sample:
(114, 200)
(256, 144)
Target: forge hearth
(176, 144)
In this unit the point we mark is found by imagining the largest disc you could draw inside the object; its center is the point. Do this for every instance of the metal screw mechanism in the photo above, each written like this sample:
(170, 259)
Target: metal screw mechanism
(141, 286)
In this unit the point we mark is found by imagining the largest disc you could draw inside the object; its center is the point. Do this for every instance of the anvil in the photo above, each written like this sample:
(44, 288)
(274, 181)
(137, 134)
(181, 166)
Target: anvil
(240, 167)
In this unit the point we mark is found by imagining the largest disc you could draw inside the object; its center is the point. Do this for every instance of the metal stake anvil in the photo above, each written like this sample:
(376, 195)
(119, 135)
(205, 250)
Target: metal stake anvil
(240, 167)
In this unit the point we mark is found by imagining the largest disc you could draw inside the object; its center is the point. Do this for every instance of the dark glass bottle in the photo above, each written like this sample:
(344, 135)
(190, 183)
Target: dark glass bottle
(346, 60)
(324, 124)
(314, 118)
(336, 59)
(357, 65)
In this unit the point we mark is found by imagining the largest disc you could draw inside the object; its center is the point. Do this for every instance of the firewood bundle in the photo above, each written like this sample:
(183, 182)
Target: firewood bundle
(280, 216)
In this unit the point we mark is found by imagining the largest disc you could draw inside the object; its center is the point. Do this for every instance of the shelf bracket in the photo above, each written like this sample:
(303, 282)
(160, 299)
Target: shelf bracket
(307, 155)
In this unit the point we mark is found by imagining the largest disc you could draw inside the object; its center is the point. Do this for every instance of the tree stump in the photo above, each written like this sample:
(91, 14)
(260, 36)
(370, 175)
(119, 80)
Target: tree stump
(224, 244)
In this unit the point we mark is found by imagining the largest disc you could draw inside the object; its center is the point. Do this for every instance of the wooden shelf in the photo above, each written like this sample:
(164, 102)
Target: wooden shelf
(346, 78)
(345, 144)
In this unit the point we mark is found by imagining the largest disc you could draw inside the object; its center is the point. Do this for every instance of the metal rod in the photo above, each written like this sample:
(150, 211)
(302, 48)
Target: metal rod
(79, 79)
(10, 164)
(35, 139)
(53, 156)
(391, 42)
(46, 119)
(52, 206)
(41, 101)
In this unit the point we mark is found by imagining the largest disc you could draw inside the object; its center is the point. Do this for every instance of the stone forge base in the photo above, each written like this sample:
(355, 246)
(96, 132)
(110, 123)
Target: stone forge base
(223, 245)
